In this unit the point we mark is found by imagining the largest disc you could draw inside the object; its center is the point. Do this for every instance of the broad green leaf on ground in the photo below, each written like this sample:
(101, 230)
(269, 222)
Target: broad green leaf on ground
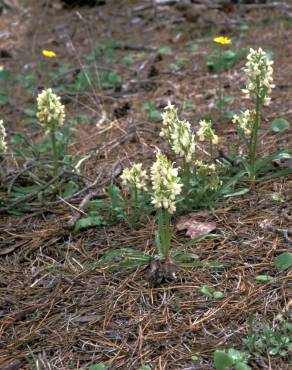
(263, 278)
(206, 291)
(97, 367)
(280, 124)
(242, 366)
(283, 261)
(222, 360)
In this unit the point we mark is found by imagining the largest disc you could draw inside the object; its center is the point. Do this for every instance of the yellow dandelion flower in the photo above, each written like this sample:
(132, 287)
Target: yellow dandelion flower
(222, 40)
(49, 53)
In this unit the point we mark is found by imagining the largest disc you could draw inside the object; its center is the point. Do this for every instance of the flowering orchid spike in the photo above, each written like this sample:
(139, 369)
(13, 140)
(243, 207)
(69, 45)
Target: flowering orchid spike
(178, 133)
(206, 132)
(135, 176)
(259, 73)
(3, 145)
(245, 121)
(165, 183)
(50, 109)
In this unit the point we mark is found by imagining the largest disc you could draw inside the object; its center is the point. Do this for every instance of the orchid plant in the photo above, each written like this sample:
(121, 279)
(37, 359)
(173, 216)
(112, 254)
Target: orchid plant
(51, 115)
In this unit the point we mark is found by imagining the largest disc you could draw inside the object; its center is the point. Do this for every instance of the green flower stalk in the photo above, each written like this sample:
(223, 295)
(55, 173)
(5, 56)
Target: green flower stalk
(259, 73)
(3, 145)
(180, 139)
(166, 187)
(51, 114)
(135, 179)
(206, 132)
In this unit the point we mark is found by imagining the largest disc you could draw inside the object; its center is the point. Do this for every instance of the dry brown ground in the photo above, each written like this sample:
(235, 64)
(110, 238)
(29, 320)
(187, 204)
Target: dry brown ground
(68, 317)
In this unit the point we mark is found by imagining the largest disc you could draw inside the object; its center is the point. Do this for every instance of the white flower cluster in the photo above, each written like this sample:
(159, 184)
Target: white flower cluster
(165, 183)
(135, 176)
(245, 121)
(50, 109)
(3, 146)
(206, 132)
(178, 133)
(259, 72)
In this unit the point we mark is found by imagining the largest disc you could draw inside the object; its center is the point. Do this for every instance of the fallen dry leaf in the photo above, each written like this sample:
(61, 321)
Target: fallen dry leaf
(194, 228)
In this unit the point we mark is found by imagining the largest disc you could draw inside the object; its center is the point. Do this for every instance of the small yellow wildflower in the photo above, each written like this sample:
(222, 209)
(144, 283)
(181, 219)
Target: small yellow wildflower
(222, 40)
(49, 53)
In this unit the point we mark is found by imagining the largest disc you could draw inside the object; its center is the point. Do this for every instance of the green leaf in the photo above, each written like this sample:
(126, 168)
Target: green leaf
(280, 124)
(4, 99)
(265, 161)
(218, 295)
(244, 27)
(263, 278)
(123, 258)
(31, 112)
(222, 360)
(97, 367)
(92, 220)
(29, 122)
(184, 257)
(187, 105)
(145, 367)
(165, 50)
(236, 193)
(222, 103)
(242, 366)
(195, 358)
(69, 188)
(155, 115)
(228, 54)
(236, 355)
(283, 261)
(174, 67)
(5, 75)
(26, 79)
(206, 291)
(25, 190)
(228, 115)
(277, 197)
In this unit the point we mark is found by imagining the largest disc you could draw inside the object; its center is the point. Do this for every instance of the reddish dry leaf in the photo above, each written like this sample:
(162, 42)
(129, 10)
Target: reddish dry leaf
(194, 228)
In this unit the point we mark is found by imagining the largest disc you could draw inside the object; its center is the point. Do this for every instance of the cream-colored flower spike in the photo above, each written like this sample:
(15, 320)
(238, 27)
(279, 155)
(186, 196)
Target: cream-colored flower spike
(259, 73)
(165, 183)
(3, 145)
(206, 132)
(245, 121)
(51, 111)
(178, 133)
(135, 176)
